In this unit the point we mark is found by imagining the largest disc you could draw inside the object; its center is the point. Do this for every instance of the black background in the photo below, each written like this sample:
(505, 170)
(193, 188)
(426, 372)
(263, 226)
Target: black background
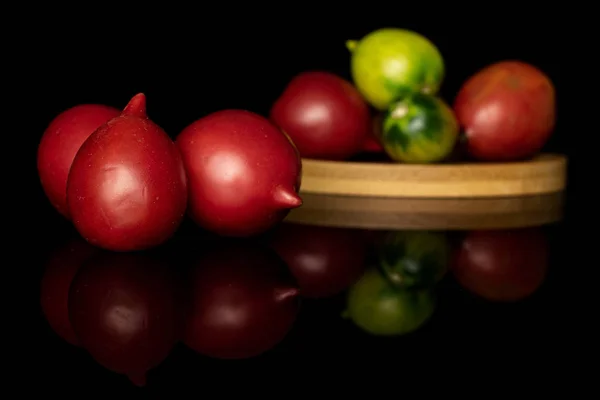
(190, 63)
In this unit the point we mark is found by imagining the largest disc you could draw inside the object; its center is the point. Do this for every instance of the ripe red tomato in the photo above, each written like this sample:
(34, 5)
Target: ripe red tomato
(503, 265)
(59, 144)
(324, 115)
(507, 111)
(127, 186)
(243, 172)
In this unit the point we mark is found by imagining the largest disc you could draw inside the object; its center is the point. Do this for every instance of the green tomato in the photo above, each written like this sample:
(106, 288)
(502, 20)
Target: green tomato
(419, 128)
(389, 63)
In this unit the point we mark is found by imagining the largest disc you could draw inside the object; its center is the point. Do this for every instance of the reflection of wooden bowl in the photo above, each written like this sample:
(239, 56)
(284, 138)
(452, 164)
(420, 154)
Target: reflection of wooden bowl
(394, 213)
(544, 174)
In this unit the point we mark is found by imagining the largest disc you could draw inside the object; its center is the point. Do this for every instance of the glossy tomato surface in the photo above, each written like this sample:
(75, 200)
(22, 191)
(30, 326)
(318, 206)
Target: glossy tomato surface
(60, 142)
(243, 172)
(325, 116)
(127, 187)
(507, 111)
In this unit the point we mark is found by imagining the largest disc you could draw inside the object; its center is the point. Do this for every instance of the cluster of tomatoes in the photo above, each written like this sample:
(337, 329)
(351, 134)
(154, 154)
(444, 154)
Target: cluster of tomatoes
(504, 112)
(126, 185)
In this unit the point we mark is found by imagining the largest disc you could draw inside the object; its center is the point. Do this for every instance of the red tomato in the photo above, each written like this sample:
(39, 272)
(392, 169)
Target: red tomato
(243, 172)
(507, 111)
(59, 144)
(324, 115)
(503, 265)
(127, 186)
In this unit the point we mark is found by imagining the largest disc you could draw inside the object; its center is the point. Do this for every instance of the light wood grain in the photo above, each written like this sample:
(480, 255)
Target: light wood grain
(545, 173)
(450, 214)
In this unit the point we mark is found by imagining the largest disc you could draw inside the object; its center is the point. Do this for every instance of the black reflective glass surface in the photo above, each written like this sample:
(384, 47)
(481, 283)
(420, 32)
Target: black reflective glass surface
(344, 283)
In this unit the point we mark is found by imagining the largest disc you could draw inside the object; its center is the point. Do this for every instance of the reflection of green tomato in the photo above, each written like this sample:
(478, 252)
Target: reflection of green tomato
(413, 258)
(379, 308)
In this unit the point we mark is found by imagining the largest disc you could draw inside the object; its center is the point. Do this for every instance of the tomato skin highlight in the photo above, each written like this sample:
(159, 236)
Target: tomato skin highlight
(507, 111)
(59, 144)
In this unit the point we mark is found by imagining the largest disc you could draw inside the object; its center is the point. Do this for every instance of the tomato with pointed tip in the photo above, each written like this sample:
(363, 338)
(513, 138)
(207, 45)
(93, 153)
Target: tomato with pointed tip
(244, 173)
(324, 115)
(59, 144)
(127, 187)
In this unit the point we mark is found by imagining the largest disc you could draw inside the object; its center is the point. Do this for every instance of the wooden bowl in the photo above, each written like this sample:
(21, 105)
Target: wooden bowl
(440, 214)
(545, 173)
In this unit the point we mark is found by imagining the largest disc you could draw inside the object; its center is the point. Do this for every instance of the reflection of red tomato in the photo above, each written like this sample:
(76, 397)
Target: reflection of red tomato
(54, 293)
(506, 265)
(125, 310)
(243, 302)
(324, 260)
